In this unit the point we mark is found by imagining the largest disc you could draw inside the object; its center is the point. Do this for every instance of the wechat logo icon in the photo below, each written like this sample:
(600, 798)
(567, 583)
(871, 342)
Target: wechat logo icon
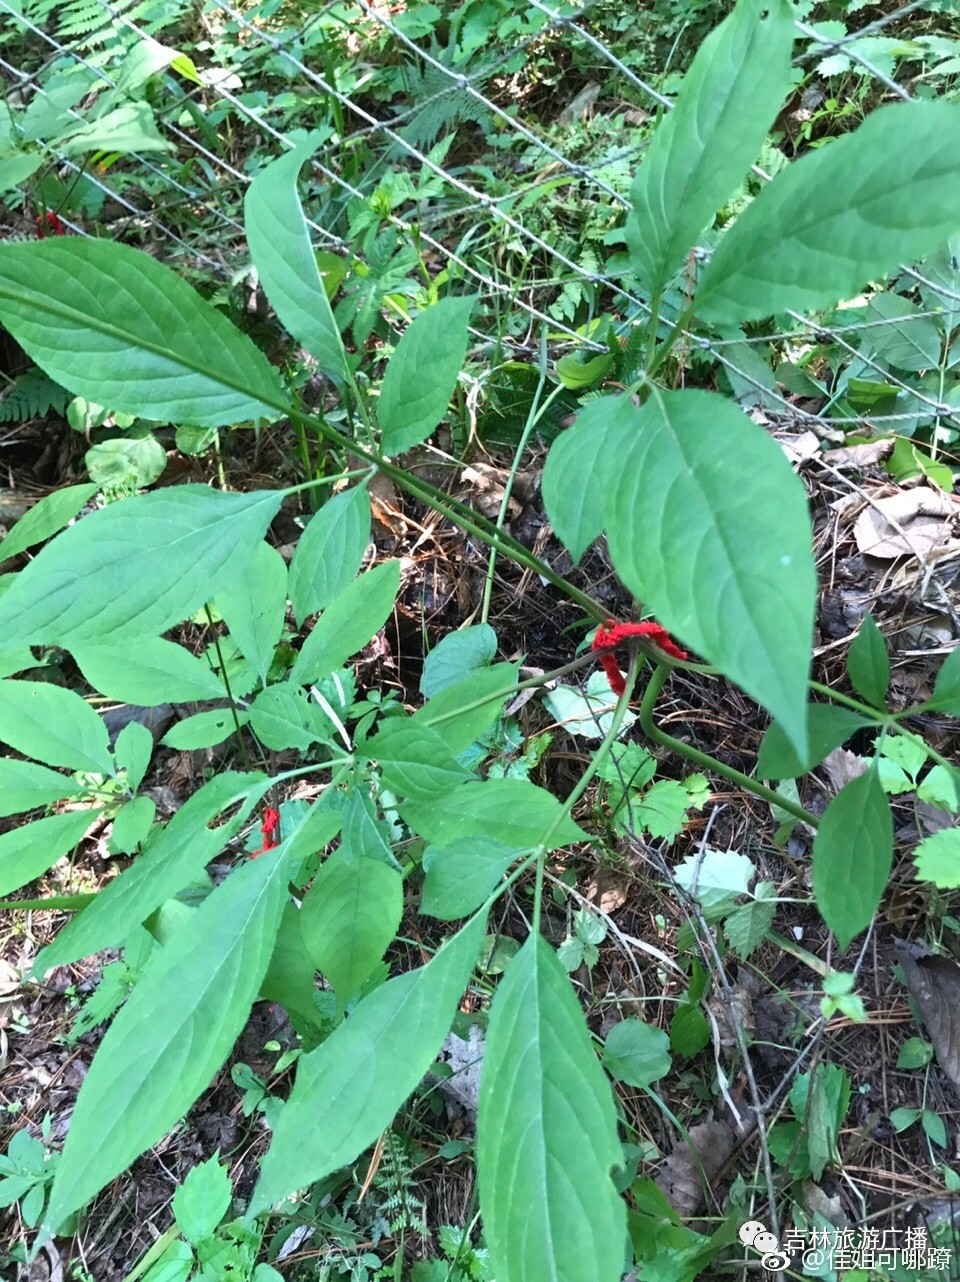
(754, 1234)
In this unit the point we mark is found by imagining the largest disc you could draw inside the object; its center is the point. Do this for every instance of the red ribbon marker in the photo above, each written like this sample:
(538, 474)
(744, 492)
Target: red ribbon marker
(49, 225)
(609, 635)
(270, 829)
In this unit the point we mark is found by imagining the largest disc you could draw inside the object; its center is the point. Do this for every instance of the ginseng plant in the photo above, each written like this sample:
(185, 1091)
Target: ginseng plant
(707, 526)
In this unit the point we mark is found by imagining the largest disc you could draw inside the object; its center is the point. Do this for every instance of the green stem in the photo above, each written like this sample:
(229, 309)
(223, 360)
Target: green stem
(654, 325)
(706, 762)
(226, 683)
(451, 508)
(304, 446)
(873, 714)
(531, 683)
(887, 721)
(623, 703)
(537, 412)
(660, 354)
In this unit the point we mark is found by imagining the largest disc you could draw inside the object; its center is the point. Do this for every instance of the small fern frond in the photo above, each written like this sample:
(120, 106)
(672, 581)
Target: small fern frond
(31, 395)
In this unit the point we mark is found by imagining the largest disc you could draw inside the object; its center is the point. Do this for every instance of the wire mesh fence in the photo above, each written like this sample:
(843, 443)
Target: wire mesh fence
(401, 190)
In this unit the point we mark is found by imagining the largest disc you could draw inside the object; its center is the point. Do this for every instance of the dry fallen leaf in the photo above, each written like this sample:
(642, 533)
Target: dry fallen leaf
(484, 485)
(679, 1177)
(842, 765)
(608, 890)
(934, 984)
(800, 448)
(732, 1011)
(860, 456)
(911, 522)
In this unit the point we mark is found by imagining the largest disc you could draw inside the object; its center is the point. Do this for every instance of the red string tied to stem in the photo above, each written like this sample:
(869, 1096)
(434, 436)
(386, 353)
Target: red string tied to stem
(49, 224)
(609, 635)
(270, 831)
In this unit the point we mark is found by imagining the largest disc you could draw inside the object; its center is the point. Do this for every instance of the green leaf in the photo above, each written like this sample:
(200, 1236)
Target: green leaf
(461, 713)
(689, 1030)
(460, 876)
(254, 606)
(17, 166)
(422, 374)
(841, 215)
(576, 374)
(828, 726)
(363, 833)
(290, 977)
(747, 926)
(822, 1099)
(733, 575)
(941, 787)
(309, 829)
(329, 551)
(136, 460)
(45, 519)
(113, 325)
(715, 878)
(946, 688)
(347, 1091)
(414, 760)
(914, 1053)
(934, 1126)
(54, 725)
(456, 656)
(280, 246)
(636, 1053)
(133, 750)
(852, 855)
(901, 1118)
(203, 730)
(174, 1265)
(174, 856)
(908, 340)
(173, 1033)
(703, 148)
(662, 809)
(938, 859)
(135, 568)
(149, 672)
(281, 717)
(588, 713)
(546, 1133)
(132, 825)
(129, 127)
(582, 467)
(202, 1200)
(350, 915)
(868, 665)
(348, 623)
(516, 810)
(26, 786)
(31, 849)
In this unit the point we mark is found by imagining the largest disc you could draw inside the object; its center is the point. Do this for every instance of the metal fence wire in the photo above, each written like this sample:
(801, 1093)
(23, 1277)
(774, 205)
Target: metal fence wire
(507, 217)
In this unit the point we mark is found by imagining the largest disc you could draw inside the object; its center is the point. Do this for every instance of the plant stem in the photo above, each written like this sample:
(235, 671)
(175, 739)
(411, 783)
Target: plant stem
(602, 752)
(660, 354)
(451, 508)
(887, 721)
(706, 762)
(226, 682)
(537, 412)
(873, 714)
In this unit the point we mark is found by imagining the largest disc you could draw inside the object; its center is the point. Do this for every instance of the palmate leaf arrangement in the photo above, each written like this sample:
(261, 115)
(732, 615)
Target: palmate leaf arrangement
(707, 526)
